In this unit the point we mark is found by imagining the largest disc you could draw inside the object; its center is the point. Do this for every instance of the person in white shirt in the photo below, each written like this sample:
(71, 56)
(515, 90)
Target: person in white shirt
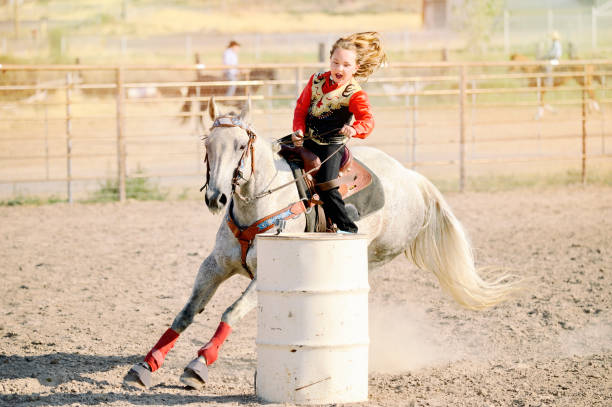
(230, 58)
(555, 51)
(554, 54)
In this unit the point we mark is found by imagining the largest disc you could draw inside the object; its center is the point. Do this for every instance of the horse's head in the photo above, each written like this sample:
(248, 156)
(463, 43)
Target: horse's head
(517, 58)
(229, 155)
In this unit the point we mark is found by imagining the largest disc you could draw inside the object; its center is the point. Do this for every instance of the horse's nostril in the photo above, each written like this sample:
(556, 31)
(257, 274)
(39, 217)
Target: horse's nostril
(223, 199)
(206, 199)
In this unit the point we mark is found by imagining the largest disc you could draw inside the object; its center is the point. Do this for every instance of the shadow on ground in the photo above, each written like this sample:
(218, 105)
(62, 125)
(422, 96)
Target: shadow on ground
(89, 399)
(56, 368)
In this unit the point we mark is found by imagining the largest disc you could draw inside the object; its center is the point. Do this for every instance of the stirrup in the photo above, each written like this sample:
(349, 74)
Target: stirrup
(331, 228)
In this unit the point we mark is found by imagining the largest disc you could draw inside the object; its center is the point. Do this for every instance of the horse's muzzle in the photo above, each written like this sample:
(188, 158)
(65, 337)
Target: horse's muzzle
(215, 200)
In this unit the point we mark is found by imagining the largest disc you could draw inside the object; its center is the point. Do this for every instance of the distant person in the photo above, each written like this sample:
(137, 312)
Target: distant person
(230, 58)
(556, 50)
(553, 56)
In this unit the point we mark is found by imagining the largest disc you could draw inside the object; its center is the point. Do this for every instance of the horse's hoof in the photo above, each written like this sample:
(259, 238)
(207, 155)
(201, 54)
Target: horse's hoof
(195, 374)
(139, 376)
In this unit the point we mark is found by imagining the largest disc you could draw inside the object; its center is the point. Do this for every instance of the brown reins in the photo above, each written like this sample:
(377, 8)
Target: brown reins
(233, 121)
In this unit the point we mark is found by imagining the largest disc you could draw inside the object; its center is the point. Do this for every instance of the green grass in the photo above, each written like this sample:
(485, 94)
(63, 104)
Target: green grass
(139, 188)
(20, 200)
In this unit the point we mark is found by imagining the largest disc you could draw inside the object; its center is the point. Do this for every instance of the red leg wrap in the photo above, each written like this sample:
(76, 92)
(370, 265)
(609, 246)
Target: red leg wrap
(155, 357)
(210, 351)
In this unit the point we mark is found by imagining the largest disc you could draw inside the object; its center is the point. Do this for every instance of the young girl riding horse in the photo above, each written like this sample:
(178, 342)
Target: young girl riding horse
(326, 107)
(416, 219)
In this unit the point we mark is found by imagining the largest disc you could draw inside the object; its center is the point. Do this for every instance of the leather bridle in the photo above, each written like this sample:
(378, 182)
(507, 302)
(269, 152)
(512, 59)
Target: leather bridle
(235, 121)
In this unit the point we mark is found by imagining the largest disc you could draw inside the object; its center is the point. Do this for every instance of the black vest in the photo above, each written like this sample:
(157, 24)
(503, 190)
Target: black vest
(329, 111)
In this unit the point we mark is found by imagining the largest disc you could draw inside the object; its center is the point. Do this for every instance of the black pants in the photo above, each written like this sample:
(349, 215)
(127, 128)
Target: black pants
(332, 200)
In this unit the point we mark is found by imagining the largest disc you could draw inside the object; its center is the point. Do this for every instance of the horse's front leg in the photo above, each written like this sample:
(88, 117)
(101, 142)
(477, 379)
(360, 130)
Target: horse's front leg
(210, 276)
(196, 373)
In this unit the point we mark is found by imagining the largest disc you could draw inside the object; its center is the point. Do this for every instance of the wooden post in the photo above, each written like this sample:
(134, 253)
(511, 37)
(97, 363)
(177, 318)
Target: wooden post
(472, 120)
(584, 135)
(198, 126)
(195, 110)
(269, 95)
(594, 28)
(462, 120)
(121, 158)
(444, 55)
(413, 122)
(322, 56)
(247, 88)
(540, 112)
(603, 116)
(46, 141)
(408, 144)
(16, 18)
(68, 137)
(506, 32)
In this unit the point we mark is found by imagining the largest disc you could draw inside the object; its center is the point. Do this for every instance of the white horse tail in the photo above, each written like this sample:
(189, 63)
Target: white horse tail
(442, 247)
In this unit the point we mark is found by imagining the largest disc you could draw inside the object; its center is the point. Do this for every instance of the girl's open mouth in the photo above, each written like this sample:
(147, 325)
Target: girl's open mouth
(338, 76)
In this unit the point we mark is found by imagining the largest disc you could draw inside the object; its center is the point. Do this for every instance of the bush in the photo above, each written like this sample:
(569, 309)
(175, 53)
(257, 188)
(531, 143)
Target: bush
(139, 188)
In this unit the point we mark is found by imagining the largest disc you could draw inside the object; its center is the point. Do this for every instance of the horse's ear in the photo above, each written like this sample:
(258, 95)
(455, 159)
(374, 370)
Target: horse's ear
(213, 110)
(245, 114)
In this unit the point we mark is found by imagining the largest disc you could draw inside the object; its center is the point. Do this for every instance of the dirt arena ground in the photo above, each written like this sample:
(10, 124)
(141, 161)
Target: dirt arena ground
(88, 289)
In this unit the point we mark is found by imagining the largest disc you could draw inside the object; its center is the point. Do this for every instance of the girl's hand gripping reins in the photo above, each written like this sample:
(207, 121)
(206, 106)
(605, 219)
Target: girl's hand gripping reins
(298, 138)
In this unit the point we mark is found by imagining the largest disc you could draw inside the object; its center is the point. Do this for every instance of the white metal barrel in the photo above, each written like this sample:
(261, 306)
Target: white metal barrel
(312, 318)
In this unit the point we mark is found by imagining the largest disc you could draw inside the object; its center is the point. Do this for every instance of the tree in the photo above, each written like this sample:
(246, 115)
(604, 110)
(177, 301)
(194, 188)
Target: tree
(124, 10)
(476, 20)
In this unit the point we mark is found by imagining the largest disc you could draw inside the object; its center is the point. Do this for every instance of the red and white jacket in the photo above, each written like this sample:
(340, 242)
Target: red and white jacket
(324, 106)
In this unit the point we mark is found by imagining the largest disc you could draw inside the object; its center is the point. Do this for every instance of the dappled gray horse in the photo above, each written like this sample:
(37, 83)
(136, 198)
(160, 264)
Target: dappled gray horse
(243, 169)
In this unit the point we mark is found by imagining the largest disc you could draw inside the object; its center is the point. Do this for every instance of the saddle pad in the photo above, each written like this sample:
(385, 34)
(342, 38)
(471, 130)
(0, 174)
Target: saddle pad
(365, 192)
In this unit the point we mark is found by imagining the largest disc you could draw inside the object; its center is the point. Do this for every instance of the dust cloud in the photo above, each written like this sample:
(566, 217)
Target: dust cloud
(404, 338)
(591, 339)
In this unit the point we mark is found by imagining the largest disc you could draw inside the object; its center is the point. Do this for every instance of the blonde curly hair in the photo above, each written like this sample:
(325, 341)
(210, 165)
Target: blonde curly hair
(368, 51)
